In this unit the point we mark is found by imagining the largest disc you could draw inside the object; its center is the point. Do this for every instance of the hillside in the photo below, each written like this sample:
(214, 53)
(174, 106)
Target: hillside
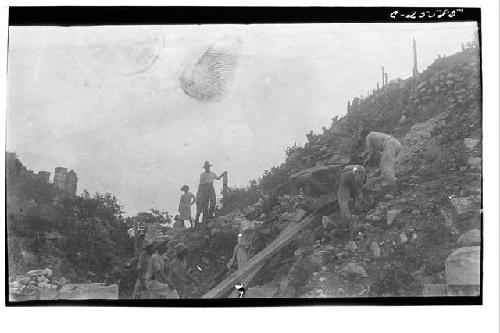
(401, 241)
(80, 238)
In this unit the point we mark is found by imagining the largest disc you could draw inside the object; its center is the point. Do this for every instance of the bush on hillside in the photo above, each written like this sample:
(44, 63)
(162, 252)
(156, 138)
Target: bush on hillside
(78, 234)
(239, 198)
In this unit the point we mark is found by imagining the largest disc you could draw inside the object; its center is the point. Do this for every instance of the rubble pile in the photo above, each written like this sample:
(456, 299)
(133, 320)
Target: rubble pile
(36, 284)
(453, 81)
(417, 241)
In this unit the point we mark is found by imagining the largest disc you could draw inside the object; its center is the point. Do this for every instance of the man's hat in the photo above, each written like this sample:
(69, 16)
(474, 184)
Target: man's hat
(180, 247)
(185, 187)
(207, 164)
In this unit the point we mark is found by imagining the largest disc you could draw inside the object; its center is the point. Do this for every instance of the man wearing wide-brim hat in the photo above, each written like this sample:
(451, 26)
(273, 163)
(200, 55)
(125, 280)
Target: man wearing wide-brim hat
(205, 197)
(179, 274)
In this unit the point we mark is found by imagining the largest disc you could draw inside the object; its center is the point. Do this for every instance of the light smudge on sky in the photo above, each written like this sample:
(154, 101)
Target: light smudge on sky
(106, 101)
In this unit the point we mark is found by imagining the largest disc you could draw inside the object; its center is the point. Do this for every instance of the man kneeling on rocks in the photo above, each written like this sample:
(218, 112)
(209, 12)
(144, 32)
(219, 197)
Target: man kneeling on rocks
(351, 183)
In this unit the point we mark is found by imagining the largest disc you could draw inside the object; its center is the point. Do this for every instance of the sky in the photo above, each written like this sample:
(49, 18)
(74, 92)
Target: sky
(106, 101)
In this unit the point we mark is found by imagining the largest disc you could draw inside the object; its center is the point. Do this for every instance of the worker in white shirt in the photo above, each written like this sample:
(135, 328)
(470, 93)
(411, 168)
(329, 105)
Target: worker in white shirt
(205, 197)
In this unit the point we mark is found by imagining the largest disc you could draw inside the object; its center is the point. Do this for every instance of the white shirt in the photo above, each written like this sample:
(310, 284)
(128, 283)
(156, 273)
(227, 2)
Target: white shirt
(207, 177)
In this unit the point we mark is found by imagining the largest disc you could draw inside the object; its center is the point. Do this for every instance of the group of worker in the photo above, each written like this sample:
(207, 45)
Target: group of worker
(205, 199)
(153, 280)
(159, 277)
(354, 176)
(351, 183)
(352, 180)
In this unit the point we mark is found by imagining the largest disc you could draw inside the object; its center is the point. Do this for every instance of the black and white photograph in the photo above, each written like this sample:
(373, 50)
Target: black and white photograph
(213, 163)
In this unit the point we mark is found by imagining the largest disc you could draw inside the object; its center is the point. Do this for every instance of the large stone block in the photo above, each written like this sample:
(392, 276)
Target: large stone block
(462, 267)
(88, 291)
(434, 290)
(39, 272)
(470, 143)
(48, 292)
(468, 290)
(465, 205)
(354, 270)
(318, 181)
(315, 203)
(471, 237)
(474, 162)
(262, 292)
(466, 211)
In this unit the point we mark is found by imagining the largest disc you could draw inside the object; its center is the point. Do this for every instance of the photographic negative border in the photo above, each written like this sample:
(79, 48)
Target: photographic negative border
(180, 15)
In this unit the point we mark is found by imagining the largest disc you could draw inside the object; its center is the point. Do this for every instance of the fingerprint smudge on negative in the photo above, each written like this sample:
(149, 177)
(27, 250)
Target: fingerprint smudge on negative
(210, 77)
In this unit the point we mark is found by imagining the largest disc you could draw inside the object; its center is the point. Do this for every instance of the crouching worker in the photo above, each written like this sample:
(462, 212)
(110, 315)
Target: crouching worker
(179, 274)
(351, 183)
(390, 148)
(158, 285)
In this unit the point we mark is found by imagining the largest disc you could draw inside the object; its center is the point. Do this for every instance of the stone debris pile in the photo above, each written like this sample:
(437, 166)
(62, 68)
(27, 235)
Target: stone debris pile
(36, 284)
(42, 285)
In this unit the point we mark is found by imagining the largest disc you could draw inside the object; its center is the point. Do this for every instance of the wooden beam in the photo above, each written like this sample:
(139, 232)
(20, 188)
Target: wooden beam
(236, 277)
(247, 280)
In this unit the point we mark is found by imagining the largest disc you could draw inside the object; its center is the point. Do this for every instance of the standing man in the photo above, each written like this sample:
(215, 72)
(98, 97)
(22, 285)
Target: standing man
(140, 289)
(205, 197)
(390, 148)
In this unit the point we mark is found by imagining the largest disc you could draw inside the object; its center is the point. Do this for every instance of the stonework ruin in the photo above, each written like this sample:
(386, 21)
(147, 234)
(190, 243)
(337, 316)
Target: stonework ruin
(60, 177)
(65, 180)
(71, 182)
(44, 175)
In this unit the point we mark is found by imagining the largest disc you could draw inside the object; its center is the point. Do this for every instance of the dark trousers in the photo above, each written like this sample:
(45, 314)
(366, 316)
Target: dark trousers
(205, 202)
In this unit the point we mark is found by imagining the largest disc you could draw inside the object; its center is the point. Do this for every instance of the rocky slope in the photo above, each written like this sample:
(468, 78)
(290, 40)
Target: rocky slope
(407, 243)
(403, 241)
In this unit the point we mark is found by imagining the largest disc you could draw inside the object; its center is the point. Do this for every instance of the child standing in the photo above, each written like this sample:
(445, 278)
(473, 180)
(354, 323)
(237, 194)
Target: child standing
(187, 199)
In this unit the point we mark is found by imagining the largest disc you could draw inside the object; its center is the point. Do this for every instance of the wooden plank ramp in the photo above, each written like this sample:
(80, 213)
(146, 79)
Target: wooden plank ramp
(224, 287)
(248, 279)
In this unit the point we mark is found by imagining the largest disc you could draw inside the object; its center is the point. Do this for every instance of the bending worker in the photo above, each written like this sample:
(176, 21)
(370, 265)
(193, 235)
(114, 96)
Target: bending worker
(351, 182)
(205, 197)
(390, 148)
